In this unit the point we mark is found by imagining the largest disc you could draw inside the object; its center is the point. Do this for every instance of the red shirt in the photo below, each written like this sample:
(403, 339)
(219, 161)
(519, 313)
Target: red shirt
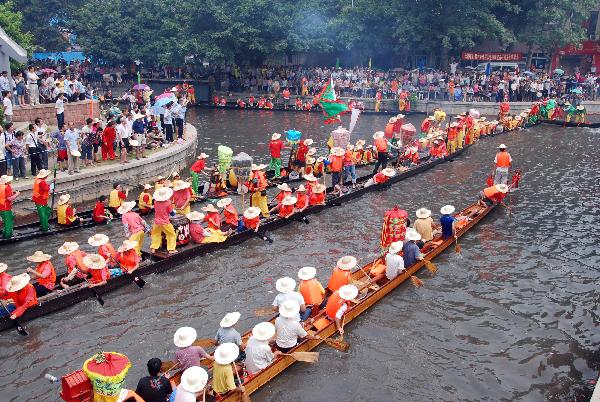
(198, 166)
(23, 299)
(4, 278)
(380, 178)
(162, 209)
(214, 220)
(108, 135)
(276, 147)
(128, 259)
(181, 198)
(251, 223)
(301, 154)
(285, 210)
(7, 206)
(231, 215)
(98, 214)
(99, 275)
(196, 232)
(316, 198)
(43, 192)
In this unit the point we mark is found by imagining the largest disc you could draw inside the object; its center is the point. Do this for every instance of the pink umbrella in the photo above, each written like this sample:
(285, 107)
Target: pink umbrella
(166, 95)
(48, 71)
(475, 113)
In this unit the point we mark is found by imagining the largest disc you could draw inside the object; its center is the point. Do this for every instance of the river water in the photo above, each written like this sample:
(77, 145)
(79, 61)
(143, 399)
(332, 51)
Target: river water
(514, 317)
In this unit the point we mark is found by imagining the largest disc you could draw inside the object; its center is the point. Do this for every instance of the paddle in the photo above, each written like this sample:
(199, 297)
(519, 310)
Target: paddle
(264, 237)
(416, 281)
(430, 266)
(304, 218)
(20, 329)
(337, 344)
(204, 343)
(96, 295)
(457, 248)
(263, 311)
(53, 190)
(307, 357)
(245, 396)
(136, 278)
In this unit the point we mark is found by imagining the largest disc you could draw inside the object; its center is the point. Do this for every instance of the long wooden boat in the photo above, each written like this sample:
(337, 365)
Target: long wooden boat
(369, 295)
(571, 124)
(161, 261)
(233, 106)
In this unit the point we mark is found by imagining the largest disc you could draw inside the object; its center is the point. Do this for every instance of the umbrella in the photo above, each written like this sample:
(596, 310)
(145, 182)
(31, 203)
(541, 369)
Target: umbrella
(48, 71)
(160, 102)
(576, 90)
(559, 71)
(528, 73)
(107, 372)
(141, 87)
(165, 95)
(341, 137)
(475, 113)
(293, 136)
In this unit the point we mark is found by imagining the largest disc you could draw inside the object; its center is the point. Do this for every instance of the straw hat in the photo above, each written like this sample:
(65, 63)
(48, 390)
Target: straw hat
(285, 284)
(76, 153)
(226, 353)
(389, 172)
(230, 319)
(181, 185)
(184, 337)
(395, 247)
(163, 194)
(222, 203)
(195, 216)
(127, 245)
(503, 188)
(308, 142)
(346, 263)
(275, 136)
(39, 256)
(194, 379)
(310, 160)
(63, 199)
(360, 143)
(284, 187)
(68, 247)
(501, 146)
(310, 177)
(126, 207)
(378, 135)
(5, 179)
(423, 213)
(134, 143)
(94, 261)
(3, 267)
(337, 151)
(401, 116)
(263, 331)
(348, 292)
(413, 235)
(350, 147)
(97, 240)
(289, 309)
(289, 200)
(17, 282)
(311, 151)
(202, 155)
(148, 186)
(393, 120)
(209, 208)
(307, 273)
(258, 167)
(138, 116)
(252, 212)
(320, 188)
(43, 173)
(447, 209)
(301, 188)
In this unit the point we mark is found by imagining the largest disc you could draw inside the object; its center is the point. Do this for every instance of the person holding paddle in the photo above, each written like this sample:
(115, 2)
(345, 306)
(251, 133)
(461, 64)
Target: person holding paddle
(337, 305)
(223, 378)
(98, 269)
(288, 328)
(65, 213)
(44, 273)
(310, 288)
(228, 334)
(341, 273)
(503, 162)
(74, 262)
(229, 213)
(128, 260)
(193, 381)
(258, 351)
(251, 218)
(187, 354)
(22, 293)
(301, 198)
(285, 286)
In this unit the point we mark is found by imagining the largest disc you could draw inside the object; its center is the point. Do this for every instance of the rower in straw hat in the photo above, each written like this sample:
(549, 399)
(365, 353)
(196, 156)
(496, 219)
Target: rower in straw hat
(258, 350)
(287, 207)
(44, 273)
(74, 263)
(192, 385)
(285, 286)
(145, 202)
(22, 293)
(424, 224)
(98, 269)
(411, 250)
(289, 329)
(188, 355)
(65, 213)
(162, 223)
(338, 305)
(229, 213)
(127, 257)
(223, 369)
(310, 288)
(105, 248)
(134, 225)
(341, 274)
(228, 334)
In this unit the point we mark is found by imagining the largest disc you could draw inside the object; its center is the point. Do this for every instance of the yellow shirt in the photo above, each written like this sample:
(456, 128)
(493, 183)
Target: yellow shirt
(61, 215)
(223, 378)
(113, 199)
(141, 203)
(423, 227)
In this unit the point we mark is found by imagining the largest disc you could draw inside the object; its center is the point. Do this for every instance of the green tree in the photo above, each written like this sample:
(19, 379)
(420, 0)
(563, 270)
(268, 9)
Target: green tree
(12, 23)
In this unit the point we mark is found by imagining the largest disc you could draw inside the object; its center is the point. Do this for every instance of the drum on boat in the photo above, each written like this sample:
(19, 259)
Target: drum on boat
(181, 224)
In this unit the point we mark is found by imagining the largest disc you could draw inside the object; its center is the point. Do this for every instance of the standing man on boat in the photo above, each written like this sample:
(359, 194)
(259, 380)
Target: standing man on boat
(257, 185)
(41, 193)
(276, 146)
(163, 210)
(196, 170)
(6, 199)
(503, 162)
(381, 145)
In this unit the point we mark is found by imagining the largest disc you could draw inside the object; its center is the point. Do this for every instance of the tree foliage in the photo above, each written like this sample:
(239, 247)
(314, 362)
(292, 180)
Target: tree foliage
(12, 23)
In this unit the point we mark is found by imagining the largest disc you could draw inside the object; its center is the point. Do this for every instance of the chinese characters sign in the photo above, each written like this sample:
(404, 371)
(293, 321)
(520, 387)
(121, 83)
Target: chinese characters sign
(489, 56)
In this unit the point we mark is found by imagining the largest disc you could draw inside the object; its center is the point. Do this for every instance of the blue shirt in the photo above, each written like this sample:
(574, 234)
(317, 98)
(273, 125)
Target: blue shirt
(138, 127)
(447, 221)
(410, 253)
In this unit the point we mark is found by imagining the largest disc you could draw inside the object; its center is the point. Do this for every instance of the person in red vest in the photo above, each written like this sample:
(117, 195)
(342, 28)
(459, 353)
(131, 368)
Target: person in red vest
(311, 289)
(6, 199)
(127, 257)
(22, 294)
(301, 152)
(251, 101)
(341, 274)
(41, 193)
(381, 177)
(212, 217)
(301, 198)
(286, 207)
(105, 249)
(276, 146)
(44, 273)
(251, 218)
(381, 145)
(98, 269)
(337, 305)
(229, 213)
(74, 263)
(286, 98)
(317, 195)
(503, 162)
(4, 278)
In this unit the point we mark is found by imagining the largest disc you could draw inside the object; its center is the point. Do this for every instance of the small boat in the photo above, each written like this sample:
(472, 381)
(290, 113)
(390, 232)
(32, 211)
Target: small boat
(370, 293)
(162, 261)
(571, 124)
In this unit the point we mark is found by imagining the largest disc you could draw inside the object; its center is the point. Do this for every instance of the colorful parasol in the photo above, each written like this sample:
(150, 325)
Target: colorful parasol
(107, 372)
(48, 71)
(394, 226)
(166, 95)
(141, 87)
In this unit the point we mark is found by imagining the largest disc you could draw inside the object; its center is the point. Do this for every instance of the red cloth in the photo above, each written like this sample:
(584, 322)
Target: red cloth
(276, 147)
(301, 154)
(98, 213)
(4, 278)
(213, 219)
(231, 215)
(196, 233)
(198, 166)
(7, 205)
(162, 209)
(181, 198)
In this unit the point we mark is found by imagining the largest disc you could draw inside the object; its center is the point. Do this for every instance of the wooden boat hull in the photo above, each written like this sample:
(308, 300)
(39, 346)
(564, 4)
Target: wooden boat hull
(289, 110)
(571, 124)
(59, 300)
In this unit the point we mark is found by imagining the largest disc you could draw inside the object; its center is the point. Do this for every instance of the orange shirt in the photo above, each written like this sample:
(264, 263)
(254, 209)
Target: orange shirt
(128, 260)
(285, 210)
(47, 269)
(231, 215)
(214, 220)
(316, 198)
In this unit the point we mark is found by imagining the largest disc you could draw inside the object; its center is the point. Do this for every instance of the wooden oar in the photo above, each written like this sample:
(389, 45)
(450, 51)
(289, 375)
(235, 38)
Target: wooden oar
(416, 281)
(264, 237)
(245, 396)
(457, 248)
(334, 343)
(430, 266)
(20, 329)
(136, 278)
(204, 343)
(96, 295)
(308, 357)
(264, 311)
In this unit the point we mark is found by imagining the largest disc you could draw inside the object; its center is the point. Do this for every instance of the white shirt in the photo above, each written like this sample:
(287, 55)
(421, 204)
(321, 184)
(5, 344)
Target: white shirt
(59, 106)
(7, 104)
(122, 131)
(293, 295)
(182, 395)
(258, 355)
(394, 265)
(288, 332)
(31, 139)
(341, 311)
(32, 78)
(4, 83)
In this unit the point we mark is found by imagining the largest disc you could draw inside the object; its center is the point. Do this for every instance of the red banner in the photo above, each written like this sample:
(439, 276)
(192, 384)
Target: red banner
(492, 56)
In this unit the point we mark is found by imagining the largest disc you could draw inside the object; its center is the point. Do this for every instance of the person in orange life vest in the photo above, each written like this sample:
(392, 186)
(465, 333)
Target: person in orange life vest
(381, 144)
(286, 98)
(65, 213)
(251, 218)
(4, 278)
(285, 190)
(434, 149)
(251, 100)
(337, 305)
(100, 213)
(41, 193)
(182, 197)
(212, 217)
(229, 213)
(311, 289)
(301, 198)
(76, 268)
(502, 162)
(341, 274)
(336, 165)
(6, 198)
(163, 210)
(257, 185)
(298, 104)
(427, 125)
(44, 273)
(98, 269)
(381, 177)
(317, 196)
(276, 146)
(22, 293)
(310, 165)
(105, 249)
(134, 225)
(127, 257)
(311, 182)
(350, 160)
(286, 208)
(493, 195)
